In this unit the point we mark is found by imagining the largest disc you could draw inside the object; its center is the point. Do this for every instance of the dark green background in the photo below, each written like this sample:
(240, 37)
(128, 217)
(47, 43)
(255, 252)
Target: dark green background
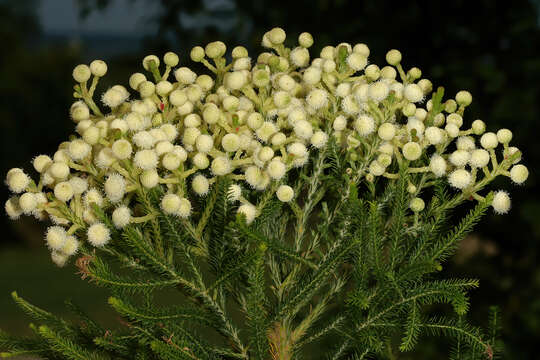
(491, 48)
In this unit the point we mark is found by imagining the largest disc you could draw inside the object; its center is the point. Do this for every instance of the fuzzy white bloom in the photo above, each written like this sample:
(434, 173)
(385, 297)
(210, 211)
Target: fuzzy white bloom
(266, 130)
(79, 149)
(478, 127)
(412, 151)
(312, 75)
(93, 196)
(504, 136)
(300, 57)
(170, 203)
(434, 135)
(455, 119)
(319, 139)
(364, 125)
(464, 98)
(200, 161)
(413, 93)
(519, 173)
(78, 184)
(143, 140)
(234, 192)
(12, 208)
(122, 149)
(356, 61)
(28, 202)
(114, 97)
(460, 178)
(204, 143)
(303, 129)
(63, 191)
(501, 202)
(121, 216)
(452, 130)
(185, 76)
(376, 168)
(386, 131)
(230, 142)
(221, 166)
(146, 159)
(115, 187)
(149, 178)
(297, 149)
(437, 165)
(276, 169)
(465, 143)
(55, 237)
(317, 98)
(71, 246)
(18, 181)
(249, 211)
(98, 235)
(285, 193)
(200, 185)
(460, 158)
(184, 208)
(489, 141)
(41, 163)
(378, 91)
(479, 158)
(340, 122)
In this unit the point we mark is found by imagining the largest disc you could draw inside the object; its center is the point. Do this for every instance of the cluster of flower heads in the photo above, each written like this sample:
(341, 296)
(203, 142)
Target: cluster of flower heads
(252, 122)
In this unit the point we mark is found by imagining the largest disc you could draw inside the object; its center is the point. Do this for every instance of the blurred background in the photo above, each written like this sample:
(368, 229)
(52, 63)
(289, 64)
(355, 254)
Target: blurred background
(489, 47)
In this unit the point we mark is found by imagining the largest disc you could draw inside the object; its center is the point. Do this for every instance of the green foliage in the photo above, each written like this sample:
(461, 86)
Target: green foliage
(358, 271)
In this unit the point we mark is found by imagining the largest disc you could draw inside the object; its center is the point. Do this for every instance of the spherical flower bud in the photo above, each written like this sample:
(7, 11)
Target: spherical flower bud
(364, 125)
(299, 57)
(378, 91)
(63, 191)
(386, 131)
(197, 54)
(163, 147)
(200, 161)
(79, 112)
(200, 185)
(230, 142)
(98, 235)
(340, 122)
(146, 159)
(135, 80)
(376, 169)
(122, 149)
(113, 97)
(147, 59)
(479, 158)
(412, 151)
(455, 119)
(184, 208)
(234, 192)
(276, 35)
(356, 61)
(452, 130)
(501, 202)
(478, 127)
(278, 139)
(460, 158)
(249, 211)
(389, 73)
(312, 75)
(384, 159)
(413, 93)
(319, 139)
(464, 98)
(465, 143)
(70, 246)
(489, 140)
(285, 193)
(55, 237)
(297, 149)
(437, 165)
(147, 89)
(215, 49)
(163, 88)
(504, 136)
(221, 166)
(343, 90)
(28, 202)
(281, 99)
(305, 40)
(230, 103)
(18, 181)
(260, 78)
(361, 49)
(59, 258)
(149, 178)
(115, 187)
(81, 73)
(417, 204)
(204, 143)
(93, 196)
(98, 68)
(42, 163)
(78, 184)
(134, 121)
(266, 130)
(393, 57)
(12, 208)
(386, 148)
(79, 149)
(170, 59)
(434, 135)
(460, 178)
(235, 80)
(303, 129)
(265, 154)
(409, 109)
(519, 173)
(91, 135)
(170, 203)
(276, 169)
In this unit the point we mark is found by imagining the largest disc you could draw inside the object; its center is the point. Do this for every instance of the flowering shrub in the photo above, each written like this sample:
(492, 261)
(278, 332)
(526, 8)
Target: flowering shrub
(281, 184)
